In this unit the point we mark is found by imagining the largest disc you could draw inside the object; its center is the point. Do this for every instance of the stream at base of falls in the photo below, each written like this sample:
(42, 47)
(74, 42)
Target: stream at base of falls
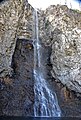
(46, 103)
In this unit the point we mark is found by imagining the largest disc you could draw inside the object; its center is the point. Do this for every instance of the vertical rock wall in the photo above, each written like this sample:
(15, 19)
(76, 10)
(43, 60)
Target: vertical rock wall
(61, 28)
(15, 22)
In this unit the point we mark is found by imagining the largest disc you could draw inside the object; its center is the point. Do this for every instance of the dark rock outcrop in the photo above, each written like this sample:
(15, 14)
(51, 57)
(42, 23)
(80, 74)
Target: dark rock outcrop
(17, 93)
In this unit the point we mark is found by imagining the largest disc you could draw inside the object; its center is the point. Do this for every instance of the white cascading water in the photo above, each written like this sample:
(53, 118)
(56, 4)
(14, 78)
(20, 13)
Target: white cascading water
(46, 103)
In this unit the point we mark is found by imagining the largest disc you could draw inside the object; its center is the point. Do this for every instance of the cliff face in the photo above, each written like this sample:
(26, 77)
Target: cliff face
(60, 35)
(60, 27)
(16, 56)
(16, 22)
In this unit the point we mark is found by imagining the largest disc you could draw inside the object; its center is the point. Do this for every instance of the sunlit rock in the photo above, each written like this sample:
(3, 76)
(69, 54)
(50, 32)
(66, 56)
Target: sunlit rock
(60, 27)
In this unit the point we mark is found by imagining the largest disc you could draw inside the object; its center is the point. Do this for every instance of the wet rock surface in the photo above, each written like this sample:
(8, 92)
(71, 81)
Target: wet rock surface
(17, 93)
(69, 103)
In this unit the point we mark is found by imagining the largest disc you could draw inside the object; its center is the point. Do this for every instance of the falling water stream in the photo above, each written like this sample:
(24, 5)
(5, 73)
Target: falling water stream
(46, 103)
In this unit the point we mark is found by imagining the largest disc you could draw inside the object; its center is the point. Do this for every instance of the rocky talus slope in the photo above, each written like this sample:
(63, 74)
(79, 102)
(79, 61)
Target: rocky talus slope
(60, 28)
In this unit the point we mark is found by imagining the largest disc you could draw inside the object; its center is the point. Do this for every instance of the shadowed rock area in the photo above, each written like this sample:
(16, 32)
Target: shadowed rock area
(17, 95)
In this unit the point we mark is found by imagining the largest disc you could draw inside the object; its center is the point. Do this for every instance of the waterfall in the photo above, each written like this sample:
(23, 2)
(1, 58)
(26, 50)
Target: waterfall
(46, 103)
